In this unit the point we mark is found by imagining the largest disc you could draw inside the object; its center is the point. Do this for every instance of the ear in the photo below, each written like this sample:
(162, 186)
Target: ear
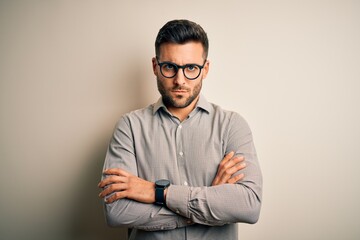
(154, 64)
(206, 68)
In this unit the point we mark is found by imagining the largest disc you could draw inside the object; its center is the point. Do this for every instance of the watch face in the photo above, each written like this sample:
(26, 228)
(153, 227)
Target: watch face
(162, 183)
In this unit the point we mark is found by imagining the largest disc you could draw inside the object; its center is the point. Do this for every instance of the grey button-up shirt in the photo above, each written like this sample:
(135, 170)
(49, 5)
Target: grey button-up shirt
(153, 144)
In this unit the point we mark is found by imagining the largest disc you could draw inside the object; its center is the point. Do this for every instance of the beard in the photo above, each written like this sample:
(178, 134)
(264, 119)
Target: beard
(179, 101)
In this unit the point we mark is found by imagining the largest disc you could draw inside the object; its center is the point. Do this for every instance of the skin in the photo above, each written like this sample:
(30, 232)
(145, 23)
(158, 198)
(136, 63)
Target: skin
(180, 96)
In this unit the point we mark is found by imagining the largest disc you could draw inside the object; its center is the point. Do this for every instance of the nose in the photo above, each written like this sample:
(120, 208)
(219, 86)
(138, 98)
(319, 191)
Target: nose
(180, 77)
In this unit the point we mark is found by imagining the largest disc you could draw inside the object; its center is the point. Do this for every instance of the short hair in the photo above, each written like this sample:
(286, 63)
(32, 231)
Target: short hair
(181, 32)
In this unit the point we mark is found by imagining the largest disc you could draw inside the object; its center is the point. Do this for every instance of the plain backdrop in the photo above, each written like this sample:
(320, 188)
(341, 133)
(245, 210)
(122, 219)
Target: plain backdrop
(70, 69)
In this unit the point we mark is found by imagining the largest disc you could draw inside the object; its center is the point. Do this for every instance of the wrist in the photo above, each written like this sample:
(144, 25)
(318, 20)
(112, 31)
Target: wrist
(161, 191)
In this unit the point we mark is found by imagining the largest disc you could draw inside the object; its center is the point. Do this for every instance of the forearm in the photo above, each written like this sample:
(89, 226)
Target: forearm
(217, 205)
(149, 217)
(127, 212)
(225, 203)
(130, 203)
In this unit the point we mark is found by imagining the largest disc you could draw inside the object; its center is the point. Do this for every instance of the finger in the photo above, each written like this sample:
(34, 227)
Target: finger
(230, 171)
(236, 178)
(240, 166)
(227, 162)
(229, 155)
(215, 181)
(113, 188)
(115, 196)
(231, 163)
(116, 171)
(227, 158)
(112, 179)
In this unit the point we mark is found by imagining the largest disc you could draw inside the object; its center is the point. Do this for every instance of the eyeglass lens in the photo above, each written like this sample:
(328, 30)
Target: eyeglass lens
(169, 70)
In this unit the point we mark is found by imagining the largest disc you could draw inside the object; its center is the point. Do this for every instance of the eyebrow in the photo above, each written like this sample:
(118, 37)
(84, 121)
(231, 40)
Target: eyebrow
(182, 65)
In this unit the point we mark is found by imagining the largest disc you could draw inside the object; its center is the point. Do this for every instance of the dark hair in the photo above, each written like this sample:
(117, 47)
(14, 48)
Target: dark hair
(181, 32)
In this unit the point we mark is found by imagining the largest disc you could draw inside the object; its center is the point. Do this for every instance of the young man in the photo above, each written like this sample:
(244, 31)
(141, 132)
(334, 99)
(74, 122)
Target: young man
(182, 168)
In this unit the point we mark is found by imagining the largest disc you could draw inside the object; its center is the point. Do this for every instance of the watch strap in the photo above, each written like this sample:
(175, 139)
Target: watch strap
(160, 186)
(159, 196)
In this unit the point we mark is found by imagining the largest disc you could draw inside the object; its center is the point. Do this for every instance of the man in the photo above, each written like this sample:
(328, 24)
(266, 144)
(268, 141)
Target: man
(182, 168)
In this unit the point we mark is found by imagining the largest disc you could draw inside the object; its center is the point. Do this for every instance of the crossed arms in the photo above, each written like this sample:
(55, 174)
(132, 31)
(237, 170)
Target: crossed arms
(234, 195)
(120, 184)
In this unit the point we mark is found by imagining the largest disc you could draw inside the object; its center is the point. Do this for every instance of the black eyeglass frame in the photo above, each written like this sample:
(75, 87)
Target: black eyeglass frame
(182, 67)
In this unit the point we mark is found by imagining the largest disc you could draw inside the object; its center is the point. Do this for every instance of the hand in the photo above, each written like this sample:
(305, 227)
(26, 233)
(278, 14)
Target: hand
(227, 167)
(125, 185)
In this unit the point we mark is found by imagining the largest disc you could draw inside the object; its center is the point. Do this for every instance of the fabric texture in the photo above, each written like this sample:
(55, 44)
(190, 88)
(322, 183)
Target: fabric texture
(153, 144)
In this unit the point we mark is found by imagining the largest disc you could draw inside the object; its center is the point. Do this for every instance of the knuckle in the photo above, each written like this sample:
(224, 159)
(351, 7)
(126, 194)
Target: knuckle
(117, 195)
(105, 192)
(239, 167)
(237, 160)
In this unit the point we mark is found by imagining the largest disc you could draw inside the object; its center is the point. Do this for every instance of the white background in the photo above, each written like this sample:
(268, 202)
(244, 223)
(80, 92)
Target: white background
(70, 69)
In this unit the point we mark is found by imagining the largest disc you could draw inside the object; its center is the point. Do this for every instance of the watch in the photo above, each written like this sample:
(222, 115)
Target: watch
(160, 186)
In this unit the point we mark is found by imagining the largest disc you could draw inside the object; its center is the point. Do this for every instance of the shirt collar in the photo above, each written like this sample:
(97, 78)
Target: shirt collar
(201, 104)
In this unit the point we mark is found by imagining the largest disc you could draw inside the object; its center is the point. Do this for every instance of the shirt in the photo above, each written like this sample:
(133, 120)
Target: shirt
(153, 144)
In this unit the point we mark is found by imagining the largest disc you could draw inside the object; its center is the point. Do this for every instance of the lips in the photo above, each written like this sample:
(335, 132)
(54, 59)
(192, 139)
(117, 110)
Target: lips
(179, 90)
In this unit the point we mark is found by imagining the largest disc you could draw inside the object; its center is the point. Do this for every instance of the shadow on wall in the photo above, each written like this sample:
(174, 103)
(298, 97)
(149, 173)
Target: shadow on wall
(88, 220)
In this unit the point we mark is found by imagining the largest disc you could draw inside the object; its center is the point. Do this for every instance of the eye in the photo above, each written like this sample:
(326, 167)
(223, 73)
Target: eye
(192, 67)
(169, 66)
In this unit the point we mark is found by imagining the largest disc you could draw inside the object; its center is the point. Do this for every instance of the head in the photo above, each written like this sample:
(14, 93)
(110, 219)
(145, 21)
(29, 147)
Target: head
(184, 45)
(181, 32)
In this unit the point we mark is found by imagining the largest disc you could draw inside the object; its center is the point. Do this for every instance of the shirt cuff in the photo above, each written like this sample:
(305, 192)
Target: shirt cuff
(177, 199)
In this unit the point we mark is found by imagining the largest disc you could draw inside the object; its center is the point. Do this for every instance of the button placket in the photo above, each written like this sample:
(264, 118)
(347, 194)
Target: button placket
(180, 152)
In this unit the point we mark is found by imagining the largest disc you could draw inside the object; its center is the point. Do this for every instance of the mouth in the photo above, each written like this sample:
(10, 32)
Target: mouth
(179, 93)
(179, 90)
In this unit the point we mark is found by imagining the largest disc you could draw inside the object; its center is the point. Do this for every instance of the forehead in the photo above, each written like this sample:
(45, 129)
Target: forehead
(190, 52)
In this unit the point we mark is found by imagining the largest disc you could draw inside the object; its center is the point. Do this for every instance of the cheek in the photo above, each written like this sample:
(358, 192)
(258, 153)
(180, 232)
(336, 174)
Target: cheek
(197, 87)
(162, 85)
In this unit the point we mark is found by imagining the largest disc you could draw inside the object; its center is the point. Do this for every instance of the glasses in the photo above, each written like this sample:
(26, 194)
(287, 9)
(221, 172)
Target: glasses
(169, 70)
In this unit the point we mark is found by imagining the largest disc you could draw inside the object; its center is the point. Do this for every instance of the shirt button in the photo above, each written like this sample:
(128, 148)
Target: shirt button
(181, 153)
(189, 221)
(177, 211)
(180, 126)
(185, 183)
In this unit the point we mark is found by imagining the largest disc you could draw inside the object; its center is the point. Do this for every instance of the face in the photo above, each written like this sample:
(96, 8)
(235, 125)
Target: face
(180, 92)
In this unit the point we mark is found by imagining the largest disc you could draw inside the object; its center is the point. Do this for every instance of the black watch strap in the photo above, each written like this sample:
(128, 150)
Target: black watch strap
(159, 196)
(160, 187)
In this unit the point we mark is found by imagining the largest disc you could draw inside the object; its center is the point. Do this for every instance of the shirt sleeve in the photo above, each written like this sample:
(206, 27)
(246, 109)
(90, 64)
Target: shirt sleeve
(227, 203)
(127, 212)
